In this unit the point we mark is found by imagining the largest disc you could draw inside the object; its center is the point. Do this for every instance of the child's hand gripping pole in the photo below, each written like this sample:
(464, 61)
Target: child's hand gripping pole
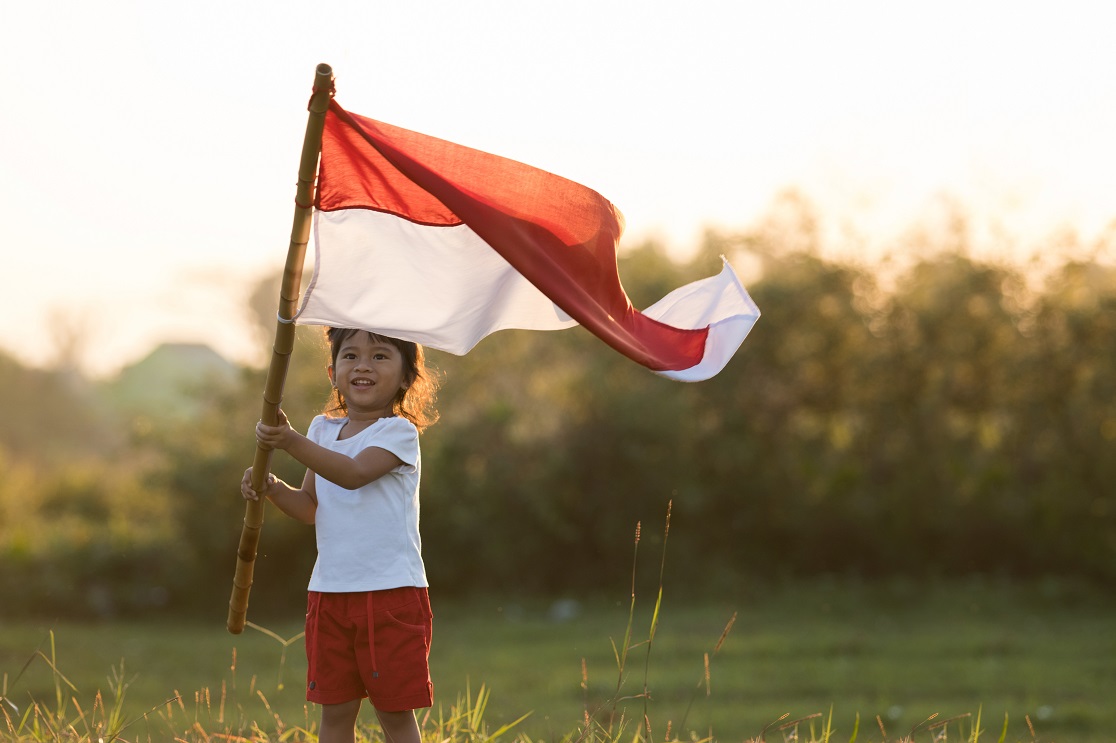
(284, 342)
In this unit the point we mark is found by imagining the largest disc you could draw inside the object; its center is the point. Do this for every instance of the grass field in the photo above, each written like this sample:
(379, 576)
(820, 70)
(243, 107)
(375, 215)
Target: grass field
(900, 651)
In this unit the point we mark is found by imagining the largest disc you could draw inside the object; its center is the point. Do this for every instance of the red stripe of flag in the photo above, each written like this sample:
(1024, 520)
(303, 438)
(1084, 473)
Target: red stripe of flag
(561, 236)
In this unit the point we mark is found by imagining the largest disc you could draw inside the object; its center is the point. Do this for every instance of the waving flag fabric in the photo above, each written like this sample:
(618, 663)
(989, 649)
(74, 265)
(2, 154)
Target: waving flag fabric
(434, 242)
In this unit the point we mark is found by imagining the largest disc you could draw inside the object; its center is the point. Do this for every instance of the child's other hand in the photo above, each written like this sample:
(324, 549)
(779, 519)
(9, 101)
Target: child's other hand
(246, 485)
(274, 437)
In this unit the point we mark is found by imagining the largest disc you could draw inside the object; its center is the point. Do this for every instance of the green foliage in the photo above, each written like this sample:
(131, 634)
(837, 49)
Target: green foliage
(201, 462)
(946, 416)
(87, 539)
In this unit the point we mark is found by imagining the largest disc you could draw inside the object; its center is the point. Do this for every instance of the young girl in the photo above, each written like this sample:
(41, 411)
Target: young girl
(368, 619)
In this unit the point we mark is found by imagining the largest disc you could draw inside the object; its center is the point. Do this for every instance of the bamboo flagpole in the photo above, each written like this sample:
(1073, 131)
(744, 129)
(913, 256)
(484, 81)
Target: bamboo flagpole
(284, 341)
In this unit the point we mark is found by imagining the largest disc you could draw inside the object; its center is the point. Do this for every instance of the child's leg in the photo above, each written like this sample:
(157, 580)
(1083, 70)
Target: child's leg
(339, 722)
(399, 727)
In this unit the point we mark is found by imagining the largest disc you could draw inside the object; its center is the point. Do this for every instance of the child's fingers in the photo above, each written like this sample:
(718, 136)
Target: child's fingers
(246, 485)
(264, 436)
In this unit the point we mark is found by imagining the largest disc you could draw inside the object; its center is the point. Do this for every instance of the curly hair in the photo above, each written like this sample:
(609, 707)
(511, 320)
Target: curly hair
(415, 401)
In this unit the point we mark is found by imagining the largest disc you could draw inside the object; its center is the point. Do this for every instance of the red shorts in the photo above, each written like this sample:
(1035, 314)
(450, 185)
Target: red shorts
(373, 644)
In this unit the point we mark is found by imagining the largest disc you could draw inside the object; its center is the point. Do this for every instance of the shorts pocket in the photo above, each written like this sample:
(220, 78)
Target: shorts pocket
(405, 623)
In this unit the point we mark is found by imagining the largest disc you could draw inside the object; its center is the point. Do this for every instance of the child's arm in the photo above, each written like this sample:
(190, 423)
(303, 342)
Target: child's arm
(350, 473)
(300, 504)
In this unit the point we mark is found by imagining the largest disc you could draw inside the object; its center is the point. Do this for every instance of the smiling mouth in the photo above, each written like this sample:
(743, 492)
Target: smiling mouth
(362, 383)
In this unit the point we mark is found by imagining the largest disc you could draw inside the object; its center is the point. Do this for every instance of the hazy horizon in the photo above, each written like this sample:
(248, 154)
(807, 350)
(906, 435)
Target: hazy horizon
(151, 152)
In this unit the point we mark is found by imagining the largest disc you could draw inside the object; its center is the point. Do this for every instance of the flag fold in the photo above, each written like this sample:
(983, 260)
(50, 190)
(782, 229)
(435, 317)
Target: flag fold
(426, 240)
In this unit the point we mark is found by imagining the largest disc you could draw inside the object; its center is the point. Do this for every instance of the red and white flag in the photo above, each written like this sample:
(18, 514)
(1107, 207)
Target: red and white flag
(430, 241)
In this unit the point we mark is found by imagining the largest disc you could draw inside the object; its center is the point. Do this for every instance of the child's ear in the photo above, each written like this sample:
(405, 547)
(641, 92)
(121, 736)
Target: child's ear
(329, 371)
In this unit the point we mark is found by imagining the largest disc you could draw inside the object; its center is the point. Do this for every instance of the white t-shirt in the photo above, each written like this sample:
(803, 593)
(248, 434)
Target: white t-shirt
(368, 539)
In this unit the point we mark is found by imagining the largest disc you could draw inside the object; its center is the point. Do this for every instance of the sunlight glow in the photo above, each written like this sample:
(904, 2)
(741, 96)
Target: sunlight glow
(150, 151)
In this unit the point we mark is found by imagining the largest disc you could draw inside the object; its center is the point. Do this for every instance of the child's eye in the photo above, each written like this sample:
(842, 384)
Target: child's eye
(380, 356)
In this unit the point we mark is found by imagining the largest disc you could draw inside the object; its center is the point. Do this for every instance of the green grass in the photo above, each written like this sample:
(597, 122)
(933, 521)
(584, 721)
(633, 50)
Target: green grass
(902, 652)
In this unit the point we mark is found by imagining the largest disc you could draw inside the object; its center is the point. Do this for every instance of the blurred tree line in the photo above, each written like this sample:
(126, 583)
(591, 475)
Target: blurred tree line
(933, 415)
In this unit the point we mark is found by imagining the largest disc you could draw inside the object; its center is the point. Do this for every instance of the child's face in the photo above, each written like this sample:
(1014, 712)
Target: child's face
(368, 374)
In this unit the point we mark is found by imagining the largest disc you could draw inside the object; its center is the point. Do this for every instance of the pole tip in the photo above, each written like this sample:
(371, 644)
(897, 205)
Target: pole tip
(235, 624)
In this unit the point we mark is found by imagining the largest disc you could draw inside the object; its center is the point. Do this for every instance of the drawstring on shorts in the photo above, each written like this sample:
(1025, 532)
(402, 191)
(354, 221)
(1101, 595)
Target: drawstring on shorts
(372, 634)
(313, 619)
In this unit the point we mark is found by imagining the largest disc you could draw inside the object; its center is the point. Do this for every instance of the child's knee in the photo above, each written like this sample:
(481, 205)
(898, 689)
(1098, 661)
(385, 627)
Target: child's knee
(397, 720)
(340, 715)
(399, 727)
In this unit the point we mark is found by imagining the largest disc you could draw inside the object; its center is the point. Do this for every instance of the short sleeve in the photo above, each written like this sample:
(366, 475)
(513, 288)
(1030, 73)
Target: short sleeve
(398, 436)
(315, 429)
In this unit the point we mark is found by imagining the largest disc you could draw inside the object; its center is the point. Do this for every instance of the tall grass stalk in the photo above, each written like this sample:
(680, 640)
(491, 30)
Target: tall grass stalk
(625, 645)
(1003, 733)
(655, 625)
(284, 643)
(614, 730)
(706, 677)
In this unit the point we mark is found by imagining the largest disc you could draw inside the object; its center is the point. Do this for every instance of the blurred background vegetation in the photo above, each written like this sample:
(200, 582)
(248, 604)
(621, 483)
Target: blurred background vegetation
(926, 415)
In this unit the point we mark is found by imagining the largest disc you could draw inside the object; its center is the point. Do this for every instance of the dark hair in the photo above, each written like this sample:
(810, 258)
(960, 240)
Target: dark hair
(415, 401)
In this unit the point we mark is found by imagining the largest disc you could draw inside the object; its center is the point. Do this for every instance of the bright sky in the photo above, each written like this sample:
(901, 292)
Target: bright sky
(149, 150)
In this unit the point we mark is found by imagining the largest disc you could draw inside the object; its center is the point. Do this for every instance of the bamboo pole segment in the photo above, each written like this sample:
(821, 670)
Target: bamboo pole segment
(284, 341)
